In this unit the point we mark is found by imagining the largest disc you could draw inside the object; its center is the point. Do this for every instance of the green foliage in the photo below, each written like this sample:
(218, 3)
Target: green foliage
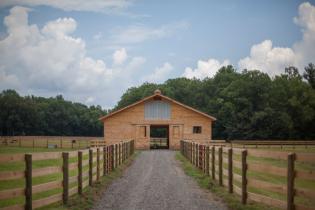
(32, 115)
(247, 105)
(309, 74)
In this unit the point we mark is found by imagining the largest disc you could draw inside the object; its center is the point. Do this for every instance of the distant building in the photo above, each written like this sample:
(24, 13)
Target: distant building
(157, 122)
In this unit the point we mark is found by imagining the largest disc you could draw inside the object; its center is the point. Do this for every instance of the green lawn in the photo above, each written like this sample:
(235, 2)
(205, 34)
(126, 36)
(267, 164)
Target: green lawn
(204, 181)
(20, 166)
(20, 183)
(275, 179)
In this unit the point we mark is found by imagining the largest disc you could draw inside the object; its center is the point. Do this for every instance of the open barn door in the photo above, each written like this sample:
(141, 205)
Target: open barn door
(159, 137)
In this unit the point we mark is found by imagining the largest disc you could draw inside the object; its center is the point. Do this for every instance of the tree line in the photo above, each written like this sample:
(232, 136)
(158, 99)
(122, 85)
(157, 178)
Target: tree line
(31, 115)
(247, 105)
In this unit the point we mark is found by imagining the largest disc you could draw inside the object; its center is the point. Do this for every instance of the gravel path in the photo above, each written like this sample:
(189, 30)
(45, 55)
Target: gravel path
(155, 181)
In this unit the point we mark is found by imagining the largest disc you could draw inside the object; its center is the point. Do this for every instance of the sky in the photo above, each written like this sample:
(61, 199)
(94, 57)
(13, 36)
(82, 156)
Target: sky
(93, 51)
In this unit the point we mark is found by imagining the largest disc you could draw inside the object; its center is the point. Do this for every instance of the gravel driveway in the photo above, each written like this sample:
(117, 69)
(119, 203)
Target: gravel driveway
(155, 181)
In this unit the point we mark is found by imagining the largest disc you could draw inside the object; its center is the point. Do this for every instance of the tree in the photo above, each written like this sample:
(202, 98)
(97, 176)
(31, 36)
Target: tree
(292, 72)
(309, 74)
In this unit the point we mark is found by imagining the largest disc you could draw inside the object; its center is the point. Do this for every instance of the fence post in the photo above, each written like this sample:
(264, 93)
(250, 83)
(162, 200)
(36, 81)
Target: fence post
(98, 164)
(123, 153)
(220, 167)
(115, 156)
(182, 147)
(65, 182)
(244, 178)
(230, 170)
(112, 157)
(213, 162)
(207, 160)
(119, 153)
(104, 160)
(128, 149)
(290, 182)
(197, 163)
(90, 167)
(80, 178)
(107, 159)
(28, 180)
(125, 157)
(191, 152)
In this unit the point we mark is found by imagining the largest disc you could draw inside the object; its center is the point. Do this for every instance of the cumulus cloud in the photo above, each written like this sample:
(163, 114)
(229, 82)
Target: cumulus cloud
(120, 56)
(273, 60)
(304, 49)
(73, 5)
(204, 69)
(160, 74)
(51, 60)
(60, 27)
(140, 33)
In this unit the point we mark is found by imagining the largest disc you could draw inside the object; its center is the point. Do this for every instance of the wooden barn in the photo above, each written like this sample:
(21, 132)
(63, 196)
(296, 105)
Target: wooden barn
(157, 121)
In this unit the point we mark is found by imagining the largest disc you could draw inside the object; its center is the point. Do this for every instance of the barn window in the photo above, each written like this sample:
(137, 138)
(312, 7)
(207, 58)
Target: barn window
(197, 129)
(157, 110)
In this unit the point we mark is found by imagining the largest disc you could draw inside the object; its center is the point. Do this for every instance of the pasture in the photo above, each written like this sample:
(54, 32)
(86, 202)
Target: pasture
(45, 176)
(281, 177)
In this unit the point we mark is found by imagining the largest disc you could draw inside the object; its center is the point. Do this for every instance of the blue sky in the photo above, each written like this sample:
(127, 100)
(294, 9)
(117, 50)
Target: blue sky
(92, 51)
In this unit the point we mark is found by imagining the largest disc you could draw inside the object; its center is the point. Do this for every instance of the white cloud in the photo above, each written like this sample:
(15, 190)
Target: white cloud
(204, 69)
(304, 49)
(273, 60)
(60, 27)
(120, 56)
(73, 5)
(160, 74)
(49, 60)
(140, 33)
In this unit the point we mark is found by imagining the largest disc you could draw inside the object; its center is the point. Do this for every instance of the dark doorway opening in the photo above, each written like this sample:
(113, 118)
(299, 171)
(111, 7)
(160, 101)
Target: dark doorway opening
(159, 137)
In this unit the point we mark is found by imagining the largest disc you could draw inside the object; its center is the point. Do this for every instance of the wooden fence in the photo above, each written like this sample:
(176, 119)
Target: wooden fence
(270, 144)
(74, 142)
(74, 171)
(257, 175)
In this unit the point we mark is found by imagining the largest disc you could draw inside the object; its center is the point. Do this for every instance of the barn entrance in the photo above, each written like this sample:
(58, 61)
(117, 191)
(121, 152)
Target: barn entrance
(159, 137)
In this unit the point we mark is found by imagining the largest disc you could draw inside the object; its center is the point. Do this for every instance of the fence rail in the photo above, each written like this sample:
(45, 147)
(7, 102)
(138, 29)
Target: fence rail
(74, 142)
(247, 173)
(78, 170)
(276, 144)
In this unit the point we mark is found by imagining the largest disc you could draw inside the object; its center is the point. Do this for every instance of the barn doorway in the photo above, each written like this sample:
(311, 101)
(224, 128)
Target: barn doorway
(159, 137)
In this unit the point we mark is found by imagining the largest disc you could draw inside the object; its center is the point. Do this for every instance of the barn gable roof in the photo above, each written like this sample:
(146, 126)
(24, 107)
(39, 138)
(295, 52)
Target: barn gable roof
(157, 93)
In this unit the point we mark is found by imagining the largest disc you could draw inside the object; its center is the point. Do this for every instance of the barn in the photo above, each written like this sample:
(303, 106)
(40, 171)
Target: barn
(157, 122)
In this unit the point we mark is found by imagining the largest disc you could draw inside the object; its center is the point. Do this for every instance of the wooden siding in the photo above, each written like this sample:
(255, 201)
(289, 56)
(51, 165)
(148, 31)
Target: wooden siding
(129, 124)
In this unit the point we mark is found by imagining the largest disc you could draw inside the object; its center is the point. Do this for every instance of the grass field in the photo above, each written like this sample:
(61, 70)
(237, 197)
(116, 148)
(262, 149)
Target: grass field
(20, 183)
(304, 184)
(92, 194)
(20, 166)
(204, 181)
